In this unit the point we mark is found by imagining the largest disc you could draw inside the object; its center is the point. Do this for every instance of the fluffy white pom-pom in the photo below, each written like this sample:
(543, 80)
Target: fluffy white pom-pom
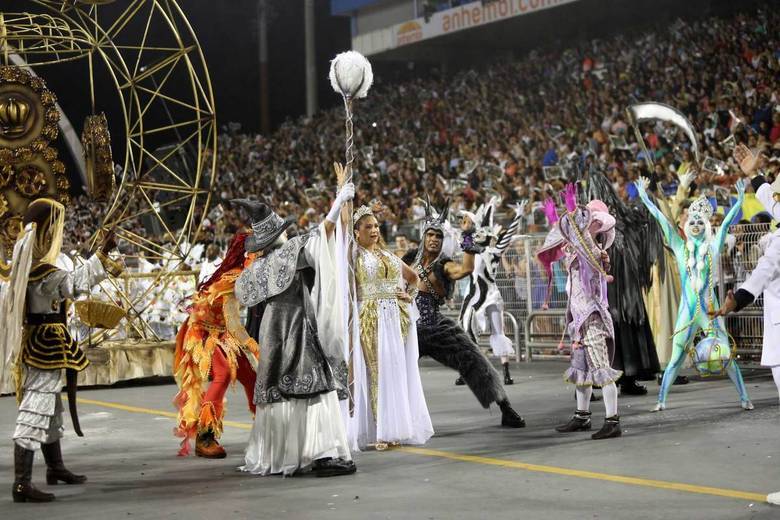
(351, 74)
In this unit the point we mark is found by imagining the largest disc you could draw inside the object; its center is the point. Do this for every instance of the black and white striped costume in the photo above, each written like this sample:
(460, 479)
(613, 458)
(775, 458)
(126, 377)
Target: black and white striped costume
(483, 300)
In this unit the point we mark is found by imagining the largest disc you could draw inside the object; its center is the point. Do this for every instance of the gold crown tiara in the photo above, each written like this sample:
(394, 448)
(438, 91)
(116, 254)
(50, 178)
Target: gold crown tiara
(361, 212)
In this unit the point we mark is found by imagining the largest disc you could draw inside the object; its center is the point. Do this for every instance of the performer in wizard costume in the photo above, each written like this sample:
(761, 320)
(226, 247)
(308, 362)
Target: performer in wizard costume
(483, 301)
(47, 347)
(297, 321)
(213, 343)
(581, 238)
(438, 336)
(697, 259)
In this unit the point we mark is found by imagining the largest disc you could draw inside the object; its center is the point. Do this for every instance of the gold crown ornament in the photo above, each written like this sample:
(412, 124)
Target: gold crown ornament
(14, 114)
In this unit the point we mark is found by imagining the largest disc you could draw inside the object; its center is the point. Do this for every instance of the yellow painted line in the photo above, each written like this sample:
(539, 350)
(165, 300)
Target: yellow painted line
(658, 484)
(504, 463)
(150, 411)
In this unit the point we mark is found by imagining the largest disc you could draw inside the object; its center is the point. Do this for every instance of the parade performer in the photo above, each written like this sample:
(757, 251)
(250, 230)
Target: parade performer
(483, 301)
(47, 346)
(765, 278)
(581, 238)
(638, 246)
(662, 297)
(388, 401)
(440, 337)
(213, 344)
(697, 259)
(296, 318)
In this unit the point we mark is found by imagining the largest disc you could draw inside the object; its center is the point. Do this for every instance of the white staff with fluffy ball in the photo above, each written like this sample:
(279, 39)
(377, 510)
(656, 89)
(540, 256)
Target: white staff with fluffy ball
(351, 76)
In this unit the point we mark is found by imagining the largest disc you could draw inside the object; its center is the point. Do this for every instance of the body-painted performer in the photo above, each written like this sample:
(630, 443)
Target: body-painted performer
(389, 405)
(581, 238)
(212, 344)
(440, 337)
(297, 321)
(697, 259)
(48, 348)
(483, 301)
(638, 246)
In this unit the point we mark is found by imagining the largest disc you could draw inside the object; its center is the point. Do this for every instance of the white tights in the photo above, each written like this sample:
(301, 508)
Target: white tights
(610, 397)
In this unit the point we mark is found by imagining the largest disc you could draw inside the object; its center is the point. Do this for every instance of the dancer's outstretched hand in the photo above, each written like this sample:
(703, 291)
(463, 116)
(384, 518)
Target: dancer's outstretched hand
(741, 185)
(520, 207)
(749, 161)
(641, 184)
(346, 193)
(729, 304)
(687, 178)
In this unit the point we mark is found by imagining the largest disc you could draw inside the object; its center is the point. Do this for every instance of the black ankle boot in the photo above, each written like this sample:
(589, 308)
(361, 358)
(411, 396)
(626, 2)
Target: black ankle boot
(460, 381)
(629, 386)
(55, 469)
(610, 429)
(23, 490)
(507, 378)
(509, 417)
(579, 422)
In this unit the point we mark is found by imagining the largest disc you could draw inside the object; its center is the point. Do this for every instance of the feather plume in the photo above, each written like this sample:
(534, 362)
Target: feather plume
(351, 74)
(550, 211)
(570, 197)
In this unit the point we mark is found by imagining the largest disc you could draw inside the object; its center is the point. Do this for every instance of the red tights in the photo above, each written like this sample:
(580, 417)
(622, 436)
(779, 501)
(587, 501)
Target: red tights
(220, 381)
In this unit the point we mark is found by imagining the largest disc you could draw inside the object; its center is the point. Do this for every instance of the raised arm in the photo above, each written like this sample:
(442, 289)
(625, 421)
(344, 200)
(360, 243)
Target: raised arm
(730, 216)
(345, 194)
(456, 271)
(673, 239)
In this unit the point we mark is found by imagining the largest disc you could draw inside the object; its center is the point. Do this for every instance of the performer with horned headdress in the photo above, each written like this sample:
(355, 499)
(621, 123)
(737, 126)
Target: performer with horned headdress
(581, 237)
(297, 320)
(47, 347)
(483, 301)
(697, 259)
(440, 337)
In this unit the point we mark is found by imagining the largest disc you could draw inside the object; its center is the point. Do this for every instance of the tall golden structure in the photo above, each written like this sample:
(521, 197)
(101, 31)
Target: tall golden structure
(147, 56)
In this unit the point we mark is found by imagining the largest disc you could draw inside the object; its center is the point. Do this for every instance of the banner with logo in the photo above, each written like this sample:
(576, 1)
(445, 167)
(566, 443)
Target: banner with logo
(449, 21)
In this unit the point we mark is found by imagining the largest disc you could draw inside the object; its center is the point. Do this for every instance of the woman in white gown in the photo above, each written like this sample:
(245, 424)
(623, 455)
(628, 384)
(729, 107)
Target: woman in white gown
(388, 405)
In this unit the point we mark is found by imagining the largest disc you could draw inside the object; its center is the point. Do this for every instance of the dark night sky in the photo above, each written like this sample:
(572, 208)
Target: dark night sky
(227, 31)
(228, 36)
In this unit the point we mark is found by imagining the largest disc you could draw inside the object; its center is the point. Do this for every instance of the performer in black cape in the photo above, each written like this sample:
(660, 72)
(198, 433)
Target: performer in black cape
(638, 245)
(442, 338)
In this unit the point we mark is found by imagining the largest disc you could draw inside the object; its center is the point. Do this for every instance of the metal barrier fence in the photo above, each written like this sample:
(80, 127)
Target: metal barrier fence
(522, 282)
(523, 285)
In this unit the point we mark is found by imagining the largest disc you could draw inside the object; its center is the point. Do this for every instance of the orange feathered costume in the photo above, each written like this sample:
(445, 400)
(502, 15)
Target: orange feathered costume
(212, 342)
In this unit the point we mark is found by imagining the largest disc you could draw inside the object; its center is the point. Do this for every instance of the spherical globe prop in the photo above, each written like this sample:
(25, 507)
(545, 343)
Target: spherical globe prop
(351, 75)
(711, 356)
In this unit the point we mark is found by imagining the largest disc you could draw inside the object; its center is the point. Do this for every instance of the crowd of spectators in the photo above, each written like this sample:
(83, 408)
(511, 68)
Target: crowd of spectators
(511, 128)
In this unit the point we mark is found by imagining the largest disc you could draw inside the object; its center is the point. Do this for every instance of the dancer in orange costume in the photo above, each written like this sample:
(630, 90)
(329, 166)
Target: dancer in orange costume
(213, 344)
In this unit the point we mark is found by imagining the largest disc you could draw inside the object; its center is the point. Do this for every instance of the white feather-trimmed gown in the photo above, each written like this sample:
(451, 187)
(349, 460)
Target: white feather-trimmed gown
(389, 404)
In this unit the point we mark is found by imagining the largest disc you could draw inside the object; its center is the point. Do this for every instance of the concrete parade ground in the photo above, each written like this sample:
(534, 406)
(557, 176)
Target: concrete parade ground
(704, 458)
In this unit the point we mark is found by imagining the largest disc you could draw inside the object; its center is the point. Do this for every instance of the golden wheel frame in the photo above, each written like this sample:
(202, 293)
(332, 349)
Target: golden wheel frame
(150, 52)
